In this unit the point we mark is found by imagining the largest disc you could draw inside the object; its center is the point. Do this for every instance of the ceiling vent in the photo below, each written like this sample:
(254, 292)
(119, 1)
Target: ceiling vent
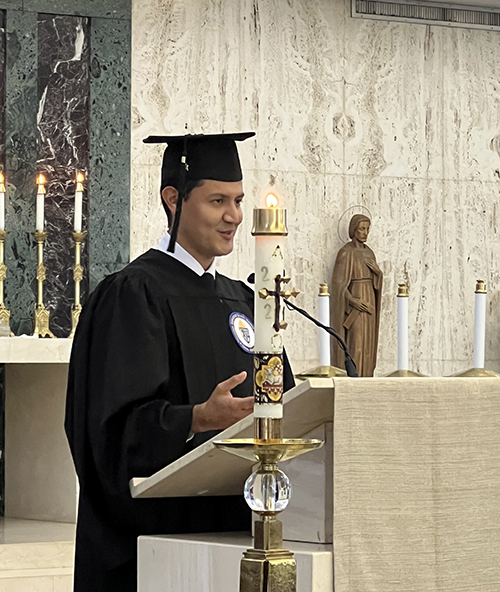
(430, 13)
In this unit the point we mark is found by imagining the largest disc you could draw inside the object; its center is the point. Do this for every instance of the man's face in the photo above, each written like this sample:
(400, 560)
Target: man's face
(209, 220)
(362, 231)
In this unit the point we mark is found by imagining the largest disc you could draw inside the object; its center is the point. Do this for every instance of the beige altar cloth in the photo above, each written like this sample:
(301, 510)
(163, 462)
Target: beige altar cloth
(417, 485)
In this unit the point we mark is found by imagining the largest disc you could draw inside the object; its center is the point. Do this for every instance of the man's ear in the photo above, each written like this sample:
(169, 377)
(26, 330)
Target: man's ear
(169, 196)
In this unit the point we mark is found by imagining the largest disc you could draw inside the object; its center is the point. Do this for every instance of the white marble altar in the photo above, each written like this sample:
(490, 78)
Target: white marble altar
(401, 118)
(32, 350)
(210, 563)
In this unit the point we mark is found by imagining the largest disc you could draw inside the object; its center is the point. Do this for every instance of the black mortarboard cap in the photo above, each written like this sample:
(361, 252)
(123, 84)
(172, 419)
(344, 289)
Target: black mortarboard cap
(195, 157)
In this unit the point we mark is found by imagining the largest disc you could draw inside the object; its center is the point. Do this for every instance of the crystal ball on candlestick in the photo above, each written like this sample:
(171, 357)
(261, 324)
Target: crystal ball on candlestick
(268, 491)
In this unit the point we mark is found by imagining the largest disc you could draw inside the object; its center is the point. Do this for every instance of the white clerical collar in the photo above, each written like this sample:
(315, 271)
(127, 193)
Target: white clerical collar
(184, 257)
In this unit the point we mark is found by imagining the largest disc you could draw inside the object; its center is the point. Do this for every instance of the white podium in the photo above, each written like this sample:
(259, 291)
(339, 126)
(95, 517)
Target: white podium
(404, 495)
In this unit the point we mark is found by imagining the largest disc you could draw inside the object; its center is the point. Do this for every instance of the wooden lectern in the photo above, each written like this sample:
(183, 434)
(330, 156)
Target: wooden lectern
(405, 494)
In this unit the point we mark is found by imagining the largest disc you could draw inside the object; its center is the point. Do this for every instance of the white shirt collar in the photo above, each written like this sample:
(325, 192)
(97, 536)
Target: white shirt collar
(184, 257)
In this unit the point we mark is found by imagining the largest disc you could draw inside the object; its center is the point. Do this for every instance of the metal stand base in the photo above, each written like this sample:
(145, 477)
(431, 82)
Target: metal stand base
(268, 567)
(42, 316)
(322, 372)
(405, 374)
(268, 571)
(476, 373)
(76, 309)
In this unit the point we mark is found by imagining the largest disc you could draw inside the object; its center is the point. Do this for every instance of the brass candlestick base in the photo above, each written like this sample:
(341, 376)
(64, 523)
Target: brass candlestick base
(76, 309)
(405, 374)
(268, 567)
(322, 372)
(42, 315)
(476, 373)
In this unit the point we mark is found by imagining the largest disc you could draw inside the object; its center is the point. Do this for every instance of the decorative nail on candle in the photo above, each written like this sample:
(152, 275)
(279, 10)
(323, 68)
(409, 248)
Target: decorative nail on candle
(2, 202)
(403, 327)
(324, 318)
(79, 202)
(480, 324)
(40, 202)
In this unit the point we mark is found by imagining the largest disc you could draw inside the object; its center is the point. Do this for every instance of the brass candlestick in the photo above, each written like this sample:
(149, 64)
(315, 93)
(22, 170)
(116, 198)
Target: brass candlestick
(268, 567)
(76, 309)
(41, 313)
(4, 313)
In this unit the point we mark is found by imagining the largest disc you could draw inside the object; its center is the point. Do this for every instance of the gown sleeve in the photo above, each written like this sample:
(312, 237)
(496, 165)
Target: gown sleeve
(136, 418)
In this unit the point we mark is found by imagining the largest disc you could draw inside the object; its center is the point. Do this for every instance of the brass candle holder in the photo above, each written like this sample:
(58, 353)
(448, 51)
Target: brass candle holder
(76, 309)
(42, 315)
(268, 567)
(4, 312)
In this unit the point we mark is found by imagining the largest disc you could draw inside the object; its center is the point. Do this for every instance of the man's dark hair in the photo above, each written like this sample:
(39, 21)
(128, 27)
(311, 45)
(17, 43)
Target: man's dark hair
(190, 185)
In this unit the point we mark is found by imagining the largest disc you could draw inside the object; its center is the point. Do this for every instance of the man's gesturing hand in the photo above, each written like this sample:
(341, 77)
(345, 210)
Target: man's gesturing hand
(222, 409)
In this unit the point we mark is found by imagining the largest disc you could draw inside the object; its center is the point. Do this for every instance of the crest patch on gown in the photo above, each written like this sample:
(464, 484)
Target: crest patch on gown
(243, 331)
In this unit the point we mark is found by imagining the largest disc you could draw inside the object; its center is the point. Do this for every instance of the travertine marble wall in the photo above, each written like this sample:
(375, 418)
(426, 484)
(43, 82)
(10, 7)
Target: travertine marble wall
(402, 119)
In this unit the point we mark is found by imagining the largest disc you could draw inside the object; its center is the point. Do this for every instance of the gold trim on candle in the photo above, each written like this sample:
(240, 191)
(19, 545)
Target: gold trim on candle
(323, 290)
(40, 180)
(403, 291)
(480, 287)
(269, 221)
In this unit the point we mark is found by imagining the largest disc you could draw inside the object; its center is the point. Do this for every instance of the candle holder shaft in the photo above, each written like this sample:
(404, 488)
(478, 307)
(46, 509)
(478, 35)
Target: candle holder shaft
(4, 312)
(42, 315)
(76, 309)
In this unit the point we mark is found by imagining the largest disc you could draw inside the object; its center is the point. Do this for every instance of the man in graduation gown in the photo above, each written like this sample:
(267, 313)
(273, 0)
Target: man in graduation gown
(156, 369)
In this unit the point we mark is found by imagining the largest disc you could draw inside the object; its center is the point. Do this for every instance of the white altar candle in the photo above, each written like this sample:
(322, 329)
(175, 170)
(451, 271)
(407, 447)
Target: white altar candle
(480, 324)
(324, 318)
(2, 202)
(40, 203)
(269, 231)
(79, 202)
(403, 327)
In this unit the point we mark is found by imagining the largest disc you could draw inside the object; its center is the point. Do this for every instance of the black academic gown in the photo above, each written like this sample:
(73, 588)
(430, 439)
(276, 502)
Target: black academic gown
(153, 341)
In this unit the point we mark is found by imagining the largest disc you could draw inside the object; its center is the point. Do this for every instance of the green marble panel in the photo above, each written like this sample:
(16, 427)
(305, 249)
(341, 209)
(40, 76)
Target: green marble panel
(21, 105)
(114, 9)
(109, 175)
(12, 4)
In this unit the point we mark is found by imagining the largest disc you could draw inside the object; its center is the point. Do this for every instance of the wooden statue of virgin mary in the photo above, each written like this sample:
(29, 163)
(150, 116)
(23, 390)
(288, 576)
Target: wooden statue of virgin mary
(355, 299)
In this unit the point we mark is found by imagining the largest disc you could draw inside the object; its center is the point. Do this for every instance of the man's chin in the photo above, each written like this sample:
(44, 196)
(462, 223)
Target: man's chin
(225, 250)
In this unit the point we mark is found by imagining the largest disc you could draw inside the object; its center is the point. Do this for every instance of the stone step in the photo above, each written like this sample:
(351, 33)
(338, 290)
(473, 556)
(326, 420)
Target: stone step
(36, 555)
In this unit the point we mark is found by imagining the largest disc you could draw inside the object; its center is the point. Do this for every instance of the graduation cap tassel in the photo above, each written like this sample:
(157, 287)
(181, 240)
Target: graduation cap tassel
(180, 198)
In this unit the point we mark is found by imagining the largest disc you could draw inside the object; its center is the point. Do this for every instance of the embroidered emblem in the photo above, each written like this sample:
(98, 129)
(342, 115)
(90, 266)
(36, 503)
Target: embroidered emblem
(242, 330)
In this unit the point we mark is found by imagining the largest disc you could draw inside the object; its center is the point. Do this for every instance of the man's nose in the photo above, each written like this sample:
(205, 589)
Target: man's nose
(233, 214)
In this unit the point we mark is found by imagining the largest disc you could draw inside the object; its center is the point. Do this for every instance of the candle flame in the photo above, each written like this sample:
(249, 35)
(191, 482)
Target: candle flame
(40, 180)
(80, 177)
(2, 178)
(271, 201)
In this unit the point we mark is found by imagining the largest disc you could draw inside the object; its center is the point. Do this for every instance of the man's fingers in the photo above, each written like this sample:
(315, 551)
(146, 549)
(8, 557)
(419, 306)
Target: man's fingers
(244, 403)
(232, 382)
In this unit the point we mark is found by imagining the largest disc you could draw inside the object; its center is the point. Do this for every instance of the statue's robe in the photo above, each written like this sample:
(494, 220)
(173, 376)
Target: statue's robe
(153, 341)
(352, 278)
